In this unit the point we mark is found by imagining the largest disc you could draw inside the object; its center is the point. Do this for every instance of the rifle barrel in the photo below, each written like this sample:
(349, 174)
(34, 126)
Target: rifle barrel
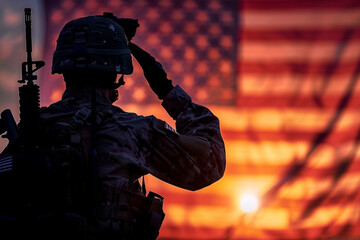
(28, 39)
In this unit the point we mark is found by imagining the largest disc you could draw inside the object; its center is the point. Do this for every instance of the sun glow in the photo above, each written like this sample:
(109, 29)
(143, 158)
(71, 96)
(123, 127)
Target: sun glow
(249, 203)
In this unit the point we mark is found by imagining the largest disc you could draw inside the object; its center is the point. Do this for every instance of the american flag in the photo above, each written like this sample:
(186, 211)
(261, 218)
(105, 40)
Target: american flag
(191, 38)
(282, 76)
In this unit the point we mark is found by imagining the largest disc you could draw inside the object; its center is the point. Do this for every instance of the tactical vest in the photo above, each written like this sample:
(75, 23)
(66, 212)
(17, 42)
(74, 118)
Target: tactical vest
(61, 178)
(55, 176)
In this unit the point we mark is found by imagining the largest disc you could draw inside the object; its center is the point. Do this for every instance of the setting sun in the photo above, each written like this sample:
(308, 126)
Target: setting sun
(249, 203)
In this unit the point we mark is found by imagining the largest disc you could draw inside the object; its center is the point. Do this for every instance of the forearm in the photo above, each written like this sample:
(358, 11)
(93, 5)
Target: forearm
(197, 152)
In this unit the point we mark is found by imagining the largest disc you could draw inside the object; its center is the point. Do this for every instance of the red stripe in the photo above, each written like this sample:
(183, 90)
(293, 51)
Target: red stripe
(293, 101)
(245, 230)
(278, 67)
(285, 35)
(330, 200)
(195, 199)
(286, 5)
(218, 200)
(335, 137)
(344, 231)
(257, 135)
(253, 170)
(189, 232)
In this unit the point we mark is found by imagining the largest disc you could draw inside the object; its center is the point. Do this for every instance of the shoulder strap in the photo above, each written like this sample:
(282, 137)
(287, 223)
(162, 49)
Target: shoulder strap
(143, 187)
(93, 154)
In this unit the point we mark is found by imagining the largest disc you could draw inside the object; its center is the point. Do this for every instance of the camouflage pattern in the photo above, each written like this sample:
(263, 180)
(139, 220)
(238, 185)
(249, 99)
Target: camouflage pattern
(93, 42)
(130, 146)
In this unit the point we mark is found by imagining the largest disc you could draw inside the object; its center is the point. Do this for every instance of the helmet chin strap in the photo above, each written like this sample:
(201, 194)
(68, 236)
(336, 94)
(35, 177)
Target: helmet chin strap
(115, 93)
(120, 82)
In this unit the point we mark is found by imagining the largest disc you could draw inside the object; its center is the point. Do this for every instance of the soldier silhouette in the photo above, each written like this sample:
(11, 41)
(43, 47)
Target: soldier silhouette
(104, 151)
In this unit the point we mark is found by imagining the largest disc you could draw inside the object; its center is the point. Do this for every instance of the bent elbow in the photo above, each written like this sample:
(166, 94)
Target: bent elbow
(206, 180)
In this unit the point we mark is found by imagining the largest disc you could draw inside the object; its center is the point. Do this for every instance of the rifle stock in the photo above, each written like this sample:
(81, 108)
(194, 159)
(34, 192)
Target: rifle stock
(8, 125)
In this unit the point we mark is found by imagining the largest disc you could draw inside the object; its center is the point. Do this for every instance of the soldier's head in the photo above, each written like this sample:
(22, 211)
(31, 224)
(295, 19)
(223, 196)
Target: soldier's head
(92, 51)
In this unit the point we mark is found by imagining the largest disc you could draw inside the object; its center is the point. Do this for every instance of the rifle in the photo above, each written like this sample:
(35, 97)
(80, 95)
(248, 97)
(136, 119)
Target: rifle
(20, 159)
(29, 99)
(29, 94)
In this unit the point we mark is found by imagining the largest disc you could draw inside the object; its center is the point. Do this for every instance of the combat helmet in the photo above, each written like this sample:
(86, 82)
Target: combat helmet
(92, 43)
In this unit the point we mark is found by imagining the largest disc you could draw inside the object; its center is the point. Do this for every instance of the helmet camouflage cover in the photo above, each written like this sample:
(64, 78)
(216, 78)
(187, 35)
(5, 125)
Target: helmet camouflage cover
(95, 43)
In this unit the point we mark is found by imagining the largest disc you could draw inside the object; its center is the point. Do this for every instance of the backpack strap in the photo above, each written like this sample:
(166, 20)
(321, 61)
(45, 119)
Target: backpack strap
(82, 115)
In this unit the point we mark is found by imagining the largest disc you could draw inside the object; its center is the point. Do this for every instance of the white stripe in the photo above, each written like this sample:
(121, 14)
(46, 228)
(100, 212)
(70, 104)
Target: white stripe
(6, 161)
(289, 83)
(5, 169)
(266, 119)
(298, 51)
(276, 120)
(279, 153)
(6, 164)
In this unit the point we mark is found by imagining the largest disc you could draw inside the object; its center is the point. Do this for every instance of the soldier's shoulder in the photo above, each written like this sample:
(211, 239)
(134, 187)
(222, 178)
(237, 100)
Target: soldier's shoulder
(120, 113)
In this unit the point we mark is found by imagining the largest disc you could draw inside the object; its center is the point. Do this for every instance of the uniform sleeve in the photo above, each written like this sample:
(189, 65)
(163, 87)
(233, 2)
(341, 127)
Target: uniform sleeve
(193, 156)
